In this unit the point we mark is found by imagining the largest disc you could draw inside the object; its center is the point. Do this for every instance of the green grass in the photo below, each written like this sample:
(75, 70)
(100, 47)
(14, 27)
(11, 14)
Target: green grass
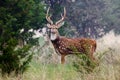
(108, 54)
(39, 71)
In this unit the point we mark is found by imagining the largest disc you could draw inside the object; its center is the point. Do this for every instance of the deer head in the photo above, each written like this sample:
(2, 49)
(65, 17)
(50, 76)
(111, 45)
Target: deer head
(54, 34)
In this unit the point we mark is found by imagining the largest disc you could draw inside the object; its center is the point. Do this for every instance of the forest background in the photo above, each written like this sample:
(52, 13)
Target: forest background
(24, 56)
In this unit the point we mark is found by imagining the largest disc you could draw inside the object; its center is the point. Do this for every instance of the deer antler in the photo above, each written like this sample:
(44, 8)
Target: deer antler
(48, 17)
(63, 17)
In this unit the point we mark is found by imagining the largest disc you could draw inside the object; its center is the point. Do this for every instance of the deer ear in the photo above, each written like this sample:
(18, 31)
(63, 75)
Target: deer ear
(48, 25)
(60, 24)
(44, 30)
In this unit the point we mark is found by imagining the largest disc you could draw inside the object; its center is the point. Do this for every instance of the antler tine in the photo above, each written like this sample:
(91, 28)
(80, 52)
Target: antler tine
(48, 17)
(63, 17)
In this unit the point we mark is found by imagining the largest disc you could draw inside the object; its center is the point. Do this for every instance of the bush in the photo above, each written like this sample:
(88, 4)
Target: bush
(15, 60)
(84, 64)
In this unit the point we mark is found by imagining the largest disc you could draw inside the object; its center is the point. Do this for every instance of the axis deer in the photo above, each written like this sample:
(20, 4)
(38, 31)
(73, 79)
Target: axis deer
(65, 45)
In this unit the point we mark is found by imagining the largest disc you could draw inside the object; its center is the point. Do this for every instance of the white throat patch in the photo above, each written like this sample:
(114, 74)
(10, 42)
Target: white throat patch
(53, 36)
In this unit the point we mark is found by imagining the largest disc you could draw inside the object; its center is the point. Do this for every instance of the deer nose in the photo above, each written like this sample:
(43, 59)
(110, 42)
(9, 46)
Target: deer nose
(53, 32)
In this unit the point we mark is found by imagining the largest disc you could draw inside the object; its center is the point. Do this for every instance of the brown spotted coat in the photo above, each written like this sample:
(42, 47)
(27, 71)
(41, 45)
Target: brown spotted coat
(66, 46)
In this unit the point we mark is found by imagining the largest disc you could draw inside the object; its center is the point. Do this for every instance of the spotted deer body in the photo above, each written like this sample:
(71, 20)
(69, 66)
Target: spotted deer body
(66, 46)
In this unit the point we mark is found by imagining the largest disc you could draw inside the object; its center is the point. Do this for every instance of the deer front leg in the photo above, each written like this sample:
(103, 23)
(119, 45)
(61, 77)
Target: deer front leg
(62, 59)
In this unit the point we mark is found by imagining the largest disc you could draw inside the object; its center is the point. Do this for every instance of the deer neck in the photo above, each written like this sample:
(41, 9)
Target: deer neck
(56, 41)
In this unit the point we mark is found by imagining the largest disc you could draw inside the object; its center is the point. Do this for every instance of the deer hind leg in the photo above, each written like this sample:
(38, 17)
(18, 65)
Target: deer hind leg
(62, 59)
(91, 54)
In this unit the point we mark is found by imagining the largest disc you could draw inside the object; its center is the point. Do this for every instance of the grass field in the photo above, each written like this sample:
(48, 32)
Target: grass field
(108, 55)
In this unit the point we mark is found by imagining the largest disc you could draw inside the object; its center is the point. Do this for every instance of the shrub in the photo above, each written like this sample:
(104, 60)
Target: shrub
(15, 60)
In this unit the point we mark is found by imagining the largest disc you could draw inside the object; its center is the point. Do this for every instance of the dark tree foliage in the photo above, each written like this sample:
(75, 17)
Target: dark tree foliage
(55, 7)
(16, 15)
(85, 16)
(91, 18)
